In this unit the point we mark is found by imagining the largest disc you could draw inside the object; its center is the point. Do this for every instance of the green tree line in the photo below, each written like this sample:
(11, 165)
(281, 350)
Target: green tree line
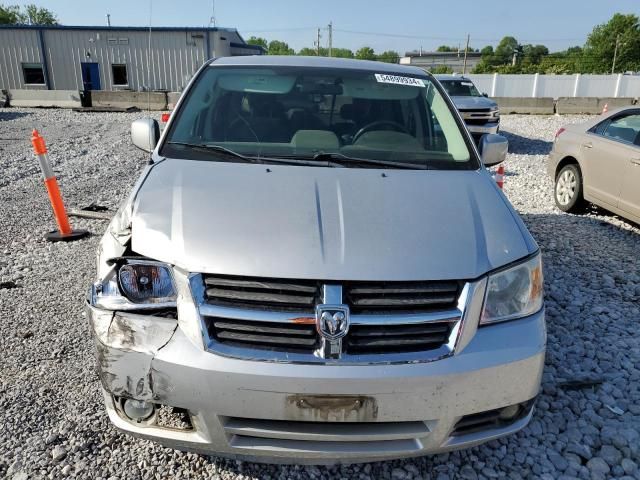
(278, 47)
(29, 15)
(619, 38)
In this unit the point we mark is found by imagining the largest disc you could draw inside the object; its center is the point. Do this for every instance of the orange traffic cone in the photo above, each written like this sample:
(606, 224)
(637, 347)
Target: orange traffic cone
(499, 176)
(64, 233)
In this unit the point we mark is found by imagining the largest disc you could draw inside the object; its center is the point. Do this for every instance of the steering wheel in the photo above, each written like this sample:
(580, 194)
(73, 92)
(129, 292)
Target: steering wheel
(379, 123)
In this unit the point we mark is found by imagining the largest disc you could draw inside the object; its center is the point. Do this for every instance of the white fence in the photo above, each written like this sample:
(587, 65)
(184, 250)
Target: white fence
(556, 86)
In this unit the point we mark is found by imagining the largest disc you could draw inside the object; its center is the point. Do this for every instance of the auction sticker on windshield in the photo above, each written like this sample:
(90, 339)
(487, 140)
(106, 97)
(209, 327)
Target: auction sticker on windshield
(399, 80)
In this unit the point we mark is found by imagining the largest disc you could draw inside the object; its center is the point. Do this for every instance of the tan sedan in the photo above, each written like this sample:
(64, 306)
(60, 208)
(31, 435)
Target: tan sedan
(599, 162)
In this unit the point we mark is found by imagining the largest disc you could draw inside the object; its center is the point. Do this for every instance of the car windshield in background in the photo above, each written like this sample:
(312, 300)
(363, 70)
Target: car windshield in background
(312, 114)
(460, 88)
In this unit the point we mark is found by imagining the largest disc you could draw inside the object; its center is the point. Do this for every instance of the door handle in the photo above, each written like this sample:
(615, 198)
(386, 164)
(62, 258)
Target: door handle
(587, 145)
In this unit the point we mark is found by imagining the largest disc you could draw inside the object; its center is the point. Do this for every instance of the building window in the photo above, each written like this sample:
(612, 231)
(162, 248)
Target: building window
(119, 74)
(33, 74)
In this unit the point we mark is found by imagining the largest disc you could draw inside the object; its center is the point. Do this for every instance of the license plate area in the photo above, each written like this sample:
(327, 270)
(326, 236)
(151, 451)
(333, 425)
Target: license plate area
(332, 408)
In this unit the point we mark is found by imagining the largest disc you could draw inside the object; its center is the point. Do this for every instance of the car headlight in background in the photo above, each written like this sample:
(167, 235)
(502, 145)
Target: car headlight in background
(136, 284)
(514, 293)
(495, 111)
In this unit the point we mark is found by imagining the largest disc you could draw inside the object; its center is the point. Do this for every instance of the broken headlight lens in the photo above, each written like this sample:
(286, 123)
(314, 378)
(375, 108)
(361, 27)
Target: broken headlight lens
(135, 284)
(514, 293)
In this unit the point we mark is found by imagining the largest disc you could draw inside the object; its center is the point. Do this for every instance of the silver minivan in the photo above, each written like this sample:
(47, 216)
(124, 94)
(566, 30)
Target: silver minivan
(316, 267)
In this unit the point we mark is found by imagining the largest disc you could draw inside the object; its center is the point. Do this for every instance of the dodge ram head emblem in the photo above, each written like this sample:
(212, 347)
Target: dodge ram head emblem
(332, 323)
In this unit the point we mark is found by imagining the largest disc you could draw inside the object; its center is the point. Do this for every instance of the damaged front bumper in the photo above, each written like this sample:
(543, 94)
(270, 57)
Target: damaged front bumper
(316, 414)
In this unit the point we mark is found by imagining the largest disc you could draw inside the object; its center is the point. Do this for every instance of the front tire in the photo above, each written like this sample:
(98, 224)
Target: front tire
(567, 191)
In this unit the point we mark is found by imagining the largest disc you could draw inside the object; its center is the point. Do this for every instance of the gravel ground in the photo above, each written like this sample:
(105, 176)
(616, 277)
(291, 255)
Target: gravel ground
(52, 422)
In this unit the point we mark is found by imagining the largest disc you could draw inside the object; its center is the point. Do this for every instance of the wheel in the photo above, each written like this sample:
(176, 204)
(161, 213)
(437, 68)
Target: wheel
(568, 189)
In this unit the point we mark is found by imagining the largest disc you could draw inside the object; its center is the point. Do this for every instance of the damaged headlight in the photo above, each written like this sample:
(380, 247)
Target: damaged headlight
(136, 284)
(514, 293)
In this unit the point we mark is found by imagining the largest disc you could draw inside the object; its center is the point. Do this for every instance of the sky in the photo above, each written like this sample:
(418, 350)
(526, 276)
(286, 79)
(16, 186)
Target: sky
(400, 25)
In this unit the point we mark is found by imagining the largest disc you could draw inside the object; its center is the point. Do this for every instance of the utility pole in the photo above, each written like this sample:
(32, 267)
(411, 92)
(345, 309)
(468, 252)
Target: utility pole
(330, 38)
(318, 43)
(108, 20)
(615, 54)
(466, 49)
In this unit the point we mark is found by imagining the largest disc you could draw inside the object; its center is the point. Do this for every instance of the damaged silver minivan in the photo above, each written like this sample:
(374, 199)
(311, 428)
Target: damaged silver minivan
(316, 267)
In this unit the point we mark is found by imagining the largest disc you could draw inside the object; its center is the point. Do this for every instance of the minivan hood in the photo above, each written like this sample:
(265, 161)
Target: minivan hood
(325, 223)
(470, 103)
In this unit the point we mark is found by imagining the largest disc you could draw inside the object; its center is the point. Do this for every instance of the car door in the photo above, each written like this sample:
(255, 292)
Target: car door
(630, 192)
(606, 151)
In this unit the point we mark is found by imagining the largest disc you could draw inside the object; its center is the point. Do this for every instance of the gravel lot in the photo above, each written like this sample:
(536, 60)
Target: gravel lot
(52, 422)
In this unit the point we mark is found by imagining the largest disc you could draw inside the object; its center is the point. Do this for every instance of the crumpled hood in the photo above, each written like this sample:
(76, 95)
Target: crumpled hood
(325, 223)
(469, 103)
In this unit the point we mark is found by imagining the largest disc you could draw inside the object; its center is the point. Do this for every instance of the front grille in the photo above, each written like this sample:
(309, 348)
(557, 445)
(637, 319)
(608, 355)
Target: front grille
(378, 339)
(262, 293)
(393, 296)
(477, 121)
(474, 110)
(275, 320)
(322, 436)
(293, 337)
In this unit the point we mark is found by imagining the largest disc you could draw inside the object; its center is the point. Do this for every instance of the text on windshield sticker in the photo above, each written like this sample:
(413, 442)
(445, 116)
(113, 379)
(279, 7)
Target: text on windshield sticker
(398, 80)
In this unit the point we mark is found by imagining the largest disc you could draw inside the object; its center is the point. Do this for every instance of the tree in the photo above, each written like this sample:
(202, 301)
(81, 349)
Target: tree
(309, 52)
(503, 53)
(366, 53)
(262, 42)
(342, 53)
(601, 45)
(40, 16)
(390, 56)
(446, 48)
(10, 15)
(31, 14)
(277, 47)
(441, 69)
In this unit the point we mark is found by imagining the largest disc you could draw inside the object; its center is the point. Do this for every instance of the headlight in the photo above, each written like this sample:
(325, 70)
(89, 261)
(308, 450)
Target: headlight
(136, 284)
(514, 293)
(495, 111)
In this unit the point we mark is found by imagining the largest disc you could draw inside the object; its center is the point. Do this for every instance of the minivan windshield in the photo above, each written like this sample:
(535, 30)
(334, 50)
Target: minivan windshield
(317, 116)
(460, 88)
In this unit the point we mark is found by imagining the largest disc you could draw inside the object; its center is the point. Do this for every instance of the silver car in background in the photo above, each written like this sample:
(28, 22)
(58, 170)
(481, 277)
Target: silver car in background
(480, 113)
(317, 268)
(599, 162)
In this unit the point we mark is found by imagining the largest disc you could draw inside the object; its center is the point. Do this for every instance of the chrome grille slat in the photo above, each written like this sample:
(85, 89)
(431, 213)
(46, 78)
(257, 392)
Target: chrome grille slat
(395, 301)
(395, 341)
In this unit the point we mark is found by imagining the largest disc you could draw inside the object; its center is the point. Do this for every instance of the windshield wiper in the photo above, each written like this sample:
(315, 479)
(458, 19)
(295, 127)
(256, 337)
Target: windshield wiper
(346, 161)
(224, 151)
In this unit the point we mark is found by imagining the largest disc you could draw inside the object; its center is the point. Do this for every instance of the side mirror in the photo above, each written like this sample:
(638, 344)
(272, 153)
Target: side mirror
(493, 149)
(485, 95)
(145, 133)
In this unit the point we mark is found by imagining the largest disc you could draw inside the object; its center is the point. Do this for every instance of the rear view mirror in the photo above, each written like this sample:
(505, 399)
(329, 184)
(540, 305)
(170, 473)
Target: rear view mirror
(145, 133)
(493, 149)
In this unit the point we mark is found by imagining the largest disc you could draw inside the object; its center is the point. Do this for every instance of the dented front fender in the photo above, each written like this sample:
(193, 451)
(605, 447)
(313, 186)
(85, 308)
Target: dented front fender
(127, 344)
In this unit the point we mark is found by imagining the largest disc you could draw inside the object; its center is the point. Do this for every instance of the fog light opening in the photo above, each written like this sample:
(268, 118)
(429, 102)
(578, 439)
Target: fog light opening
(138, 410)
(510, 412)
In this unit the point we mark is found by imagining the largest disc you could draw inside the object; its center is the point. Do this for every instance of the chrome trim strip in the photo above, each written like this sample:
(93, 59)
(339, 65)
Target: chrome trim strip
(255, 315)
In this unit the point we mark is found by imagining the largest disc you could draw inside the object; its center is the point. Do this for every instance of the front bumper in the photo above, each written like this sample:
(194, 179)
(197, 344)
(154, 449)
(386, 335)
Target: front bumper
(316, 414)
(489, 127)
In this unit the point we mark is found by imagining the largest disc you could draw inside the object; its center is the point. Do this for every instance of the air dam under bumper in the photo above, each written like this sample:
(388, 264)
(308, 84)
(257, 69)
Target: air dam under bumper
(260, 411)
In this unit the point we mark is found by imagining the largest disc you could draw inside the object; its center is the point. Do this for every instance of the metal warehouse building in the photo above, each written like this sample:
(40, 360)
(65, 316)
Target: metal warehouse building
(110, 58)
